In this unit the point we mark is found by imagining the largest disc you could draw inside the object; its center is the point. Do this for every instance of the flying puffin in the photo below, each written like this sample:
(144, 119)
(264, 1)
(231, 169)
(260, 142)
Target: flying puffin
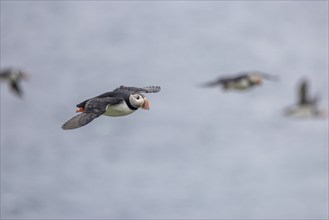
(14, 76)
(306, 107)
(120, 102)
(241, 81)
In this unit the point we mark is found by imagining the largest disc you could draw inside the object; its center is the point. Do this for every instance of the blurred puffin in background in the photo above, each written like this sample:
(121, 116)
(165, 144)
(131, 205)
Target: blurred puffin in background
(242, 81)
(14, 76)
(306, 107)
(119, 102)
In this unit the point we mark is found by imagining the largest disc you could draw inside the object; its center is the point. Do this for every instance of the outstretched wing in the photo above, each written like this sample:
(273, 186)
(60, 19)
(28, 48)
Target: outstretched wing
(211, 83)
(4, 74)
(147, 89)
(268, 76)
(79, 120)
(16, 88)
(224, 80)
(94, 108)
(303, 99)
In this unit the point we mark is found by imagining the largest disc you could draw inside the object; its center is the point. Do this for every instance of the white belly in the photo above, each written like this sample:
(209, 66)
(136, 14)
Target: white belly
(240, 85)
(118, 110)
(302, 112)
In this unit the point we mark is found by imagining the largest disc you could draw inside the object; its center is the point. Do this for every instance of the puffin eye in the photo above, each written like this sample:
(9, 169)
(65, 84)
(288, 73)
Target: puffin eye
(137, 97)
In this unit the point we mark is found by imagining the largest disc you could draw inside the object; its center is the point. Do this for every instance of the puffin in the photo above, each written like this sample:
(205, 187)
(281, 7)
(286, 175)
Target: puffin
(14, 77)
(241, 81)
(121, 101)
(306, 107)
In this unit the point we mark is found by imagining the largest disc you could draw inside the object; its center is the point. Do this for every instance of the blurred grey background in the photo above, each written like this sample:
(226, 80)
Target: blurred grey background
(198, 153)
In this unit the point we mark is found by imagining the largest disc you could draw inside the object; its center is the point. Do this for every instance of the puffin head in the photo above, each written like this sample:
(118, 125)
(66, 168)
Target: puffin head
(139, 101)
(256, 79)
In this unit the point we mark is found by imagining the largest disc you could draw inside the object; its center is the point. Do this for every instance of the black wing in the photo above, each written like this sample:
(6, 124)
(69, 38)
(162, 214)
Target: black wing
(234, 79)
(268, 76)
(303, 90)
(94, 108)
(147, 89)
(114, 94)
(16, 88)
(5, 73)
(79, 121)
(211, 83)
(224, 80)
(246, 74)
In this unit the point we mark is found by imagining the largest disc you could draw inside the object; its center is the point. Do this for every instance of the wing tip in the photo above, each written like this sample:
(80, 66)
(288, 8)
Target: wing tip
(152, 89)
(73, 123)
(156, 88)
(68, 126)
(79, 120)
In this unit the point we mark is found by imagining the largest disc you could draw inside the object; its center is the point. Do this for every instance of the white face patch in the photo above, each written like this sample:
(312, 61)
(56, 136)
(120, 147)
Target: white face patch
(136, 100)
(255, 79)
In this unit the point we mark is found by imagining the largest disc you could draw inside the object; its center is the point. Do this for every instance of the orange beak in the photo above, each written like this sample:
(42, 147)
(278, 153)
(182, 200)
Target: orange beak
(81, 109)
(146, 104)
(259, 81)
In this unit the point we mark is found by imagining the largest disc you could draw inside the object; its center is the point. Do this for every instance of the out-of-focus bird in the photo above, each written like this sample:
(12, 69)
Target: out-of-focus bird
(119, 102)
(242, 81)
(306, 107)
(14, 77)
